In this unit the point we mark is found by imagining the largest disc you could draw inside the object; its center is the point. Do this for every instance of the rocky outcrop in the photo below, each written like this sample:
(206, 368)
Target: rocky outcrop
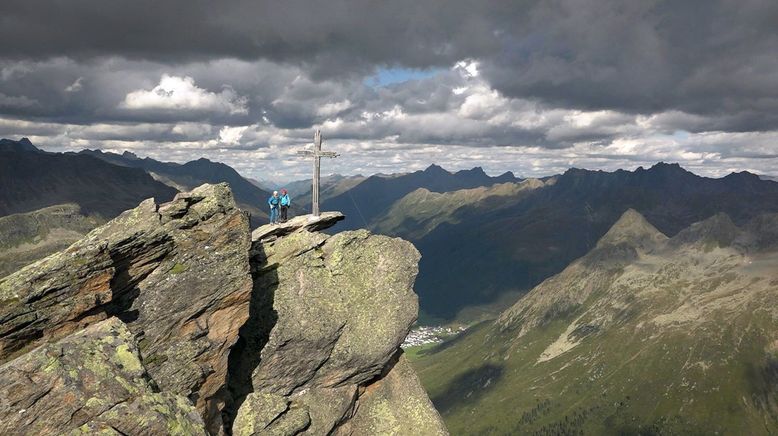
(340, 306)
(170, 320)
(305, 222)
(177, 274)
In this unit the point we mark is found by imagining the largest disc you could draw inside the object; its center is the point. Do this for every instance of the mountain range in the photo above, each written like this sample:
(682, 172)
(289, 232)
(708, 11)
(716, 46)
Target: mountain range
(33, 179)
(480, 246)
(484, 240)
(644, 334)
(187, 176)
(375, 195)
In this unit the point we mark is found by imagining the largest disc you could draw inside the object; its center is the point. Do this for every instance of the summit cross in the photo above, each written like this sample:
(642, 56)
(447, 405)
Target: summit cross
(317, 154)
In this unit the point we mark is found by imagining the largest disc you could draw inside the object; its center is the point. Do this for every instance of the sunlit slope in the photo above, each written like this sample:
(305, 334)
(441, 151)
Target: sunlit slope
(421, 211)
(643, 334)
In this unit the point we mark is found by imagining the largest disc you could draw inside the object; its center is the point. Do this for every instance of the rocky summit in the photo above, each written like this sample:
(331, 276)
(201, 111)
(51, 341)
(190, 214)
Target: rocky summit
(170, 319)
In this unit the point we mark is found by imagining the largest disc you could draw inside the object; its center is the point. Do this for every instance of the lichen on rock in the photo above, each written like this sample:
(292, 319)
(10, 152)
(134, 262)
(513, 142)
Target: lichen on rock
(176, 273)
(89, 382)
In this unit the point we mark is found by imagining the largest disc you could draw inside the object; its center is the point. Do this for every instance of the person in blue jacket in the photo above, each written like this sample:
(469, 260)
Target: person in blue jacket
(285, 203)
(274, 201)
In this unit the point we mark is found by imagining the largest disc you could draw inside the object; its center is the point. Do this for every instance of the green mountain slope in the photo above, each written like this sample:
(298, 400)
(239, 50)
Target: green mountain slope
(642, 335)
(421, 211)
(27, 237)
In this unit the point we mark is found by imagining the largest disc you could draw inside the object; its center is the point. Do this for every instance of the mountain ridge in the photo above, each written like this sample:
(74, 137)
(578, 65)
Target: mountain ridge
(33, 179)
(191, 174)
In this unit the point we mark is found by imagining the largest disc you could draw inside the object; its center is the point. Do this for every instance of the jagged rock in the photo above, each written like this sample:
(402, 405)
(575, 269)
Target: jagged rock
(328, 407)
(303, 222)
(396, 404)
(177, 274)
(91, 381)
(328, 314)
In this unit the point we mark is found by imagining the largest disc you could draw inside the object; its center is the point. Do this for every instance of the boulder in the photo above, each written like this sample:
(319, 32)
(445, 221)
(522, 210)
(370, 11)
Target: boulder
(304, 222)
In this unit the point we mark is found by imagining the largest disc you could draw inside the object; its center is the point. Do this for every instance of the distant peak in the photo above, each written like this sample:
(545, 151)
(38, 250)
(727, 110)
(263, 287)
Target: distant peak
(669, 168)
(23, 144)
(742, 175)
(718, 229)
(435, 169)
(632, 228)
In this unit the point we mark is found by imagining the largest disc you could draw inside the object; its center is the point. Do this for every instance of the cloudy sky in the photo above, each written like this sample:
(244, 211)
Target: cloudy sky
(529, 86)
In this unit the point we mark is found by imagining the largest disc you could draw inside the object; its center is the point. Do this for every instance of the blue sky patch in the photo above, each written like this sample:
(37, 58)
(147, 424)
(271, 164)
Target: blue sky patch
(388, 76)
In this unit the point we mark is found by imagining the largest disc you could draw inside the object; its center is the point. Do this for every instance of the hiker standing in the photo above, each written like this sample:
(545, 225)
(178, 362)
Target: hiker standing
(285, 203)
(274, 201)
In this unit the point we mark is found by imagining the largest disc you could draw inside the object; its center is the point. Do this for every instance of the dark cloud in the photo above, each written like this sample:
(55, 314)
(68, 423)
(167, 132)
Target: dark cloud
(599, 82)
(698, 56)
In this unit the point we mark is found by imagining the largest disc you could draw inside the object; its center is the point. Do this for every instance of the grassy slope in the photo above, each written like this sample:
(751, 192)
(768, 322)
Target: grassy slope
(421, 211)
(27, 237)
(665, 345)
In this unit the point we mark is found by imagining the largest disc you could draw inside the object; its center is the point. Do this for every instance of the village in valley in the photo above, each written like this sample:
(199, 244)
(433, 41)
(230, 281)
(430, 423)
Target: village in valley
(427, 335)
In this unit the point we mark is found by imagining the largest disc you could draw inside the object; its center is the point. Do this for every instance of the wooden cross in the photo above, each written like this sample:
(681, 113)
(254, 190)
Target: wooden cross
(317, 154)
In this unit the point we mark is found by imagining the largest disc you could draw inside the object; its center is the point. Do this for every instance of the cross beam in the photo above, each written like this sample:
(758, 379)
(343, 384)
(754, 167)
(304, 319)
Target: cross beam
(316, 154)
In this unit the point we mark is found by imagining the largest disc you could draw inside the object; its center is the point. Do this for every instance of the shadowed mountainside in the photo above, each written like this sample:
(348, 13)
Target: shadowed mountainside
(189, 175)
(375, 195)
(32, 179)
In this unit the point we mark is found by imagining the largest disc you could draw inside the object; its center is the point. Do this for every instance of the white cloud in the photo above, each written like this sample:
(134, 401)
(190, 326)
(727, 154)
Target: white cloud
(482, 103)
(331, 109)
(231, 135)
(76, 86)
(468, 68)
(181, 93)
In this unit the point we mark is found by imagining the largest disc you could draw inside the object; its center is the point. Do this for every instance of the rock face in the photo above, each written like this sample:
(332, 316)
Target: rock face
(313, 361)
(177, 274)
(170, 320)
